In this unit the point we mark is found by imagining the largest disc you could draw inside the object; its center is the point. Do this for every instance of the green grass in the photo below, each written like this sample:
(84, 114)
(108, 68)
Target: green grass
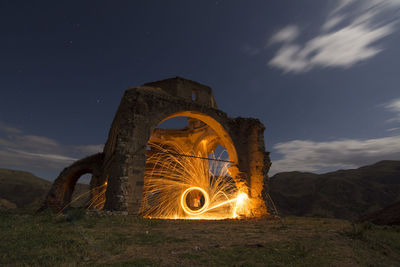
(273, 254)
(78, 239)
(134, 262)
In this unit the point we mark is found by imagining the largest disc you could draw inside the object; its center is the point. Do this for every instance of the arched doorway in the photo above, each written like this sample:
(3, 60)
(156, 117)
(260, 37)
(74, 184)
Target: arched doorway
(184, 178)
(220, 131)
(61, 194)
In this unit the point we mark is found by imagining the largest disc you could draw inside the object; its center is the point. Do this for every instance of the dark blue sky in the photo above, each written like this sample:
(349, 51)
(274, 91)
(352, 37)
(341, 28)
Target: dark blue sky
(323, 76)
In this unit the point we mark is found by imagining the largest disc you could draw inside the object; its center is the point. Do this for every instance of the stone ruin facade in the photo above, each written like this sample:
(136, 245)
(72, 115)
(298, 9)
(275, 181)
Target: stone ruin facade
(120, 168)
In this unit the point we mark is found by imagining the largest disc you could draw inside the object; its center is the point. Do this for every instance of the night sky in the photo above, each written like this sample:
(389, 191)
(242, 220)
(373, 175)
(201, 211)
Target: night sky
(323, 76)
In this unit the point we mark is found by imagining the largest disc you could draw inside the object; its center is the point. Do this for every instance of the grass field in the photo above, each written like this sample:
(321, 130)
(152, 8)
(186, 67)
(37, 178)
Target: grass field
(79, 239)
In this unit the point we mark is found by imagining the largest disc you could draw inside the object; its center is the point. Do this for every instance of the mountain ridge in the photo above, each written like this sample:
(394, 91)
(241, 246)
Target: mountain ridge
(345, 194)
(22, 189)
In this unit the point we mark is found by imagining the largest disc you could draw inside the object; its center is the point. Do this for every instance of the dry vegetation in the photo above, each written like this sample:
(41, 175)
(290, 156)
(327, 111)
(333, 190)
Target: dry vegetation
(79, 239)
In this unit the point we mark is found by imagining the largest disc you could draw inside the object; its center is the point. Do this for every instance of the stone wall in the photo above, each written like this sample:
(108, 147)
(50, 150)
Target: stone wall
(62, 188)
(144, 107)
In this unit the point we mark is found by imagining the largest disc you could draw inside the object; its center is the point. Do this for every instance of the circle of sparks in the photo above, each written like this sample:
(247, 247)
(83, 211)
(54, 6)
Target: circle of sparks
(189, 211)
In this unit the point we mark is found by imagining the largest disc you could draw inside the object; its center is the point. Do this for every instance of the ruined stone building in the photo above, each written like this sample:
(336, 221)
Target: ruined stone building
(121, 165)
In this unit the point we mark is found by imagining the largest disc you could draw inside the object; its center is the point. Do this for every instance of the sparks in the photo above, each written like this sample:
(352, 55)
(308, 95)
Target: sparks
(241, 198)
(188, 187)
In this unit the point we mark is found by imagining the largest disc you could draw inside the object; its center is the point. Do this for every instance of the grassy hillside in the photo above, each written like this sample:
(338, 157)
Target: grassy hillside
(25, 190)
(389, 215)
(346, 194)
(76, 240)
(22, 188)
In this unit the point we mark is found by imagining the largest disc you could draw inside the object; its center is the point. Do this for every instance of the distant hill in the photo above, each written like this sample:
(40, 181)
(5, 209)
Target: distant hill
(20, 189)
(389, 215)
(347, 194)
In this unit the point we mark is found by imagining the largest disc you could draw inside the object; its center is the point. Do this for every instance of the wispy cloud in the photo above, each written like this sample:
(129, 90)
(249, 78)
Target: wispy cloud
(251, 50)
(393, 129)
(348, 36)
(332, 22)
(88, 149)
(394, 107)
(340, 4)
(31, 152)
(287, 34)
(310, 156)
(8, 129)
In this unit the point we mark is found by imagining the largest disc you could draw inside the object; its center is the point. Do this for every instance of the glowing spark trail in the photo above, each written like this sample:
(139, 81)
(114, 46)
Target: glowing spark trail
(179, 187)
(93, 203)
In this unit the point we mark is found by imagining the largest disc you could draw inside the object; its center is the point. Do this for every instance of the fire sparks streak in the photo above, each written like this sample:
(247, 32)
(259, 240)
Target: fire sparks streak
(173, 183)
(97, 202)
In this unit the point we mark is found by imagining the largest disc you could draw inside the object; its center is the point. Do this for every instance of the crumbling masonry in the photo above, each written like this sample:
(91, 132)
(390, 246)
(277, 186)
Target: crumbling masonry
(121, 165)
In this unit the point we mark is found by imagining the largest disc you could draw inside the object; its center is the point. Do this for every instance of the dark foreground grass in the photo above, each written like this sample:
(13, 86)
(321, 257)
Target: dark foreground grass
(78, 239)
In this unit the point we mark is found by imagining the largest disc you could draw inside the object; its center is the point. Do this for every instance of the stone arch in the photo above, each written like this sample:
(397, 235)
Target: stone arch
(62, 189)
(222, 136)
(215, 119)
(199, 137)
(142, 108)
(213, 123)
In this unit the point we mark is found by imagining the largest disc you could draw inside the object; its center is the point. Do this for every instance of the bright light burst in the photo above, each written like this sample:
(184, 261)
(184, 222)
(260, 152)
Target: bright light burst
(179, 187)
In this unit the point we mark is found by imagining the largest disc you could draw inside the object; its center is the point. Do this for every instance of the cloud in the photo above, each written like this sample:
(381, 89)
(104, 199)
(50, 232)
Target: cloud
(89, 149)
(251, 50)
(394, 106)
(393, 129)
(341, 4)
(287, 34)
(31, 152)
(348, 36)
(332, 22)
(8, 129)
(51, 157)
(310, 156)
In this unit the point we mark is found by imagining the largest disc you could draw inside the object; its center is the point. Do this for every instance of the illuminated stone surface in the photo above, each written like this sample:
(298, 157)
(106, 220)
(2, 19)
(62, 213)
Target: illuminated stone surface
(142, 108)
